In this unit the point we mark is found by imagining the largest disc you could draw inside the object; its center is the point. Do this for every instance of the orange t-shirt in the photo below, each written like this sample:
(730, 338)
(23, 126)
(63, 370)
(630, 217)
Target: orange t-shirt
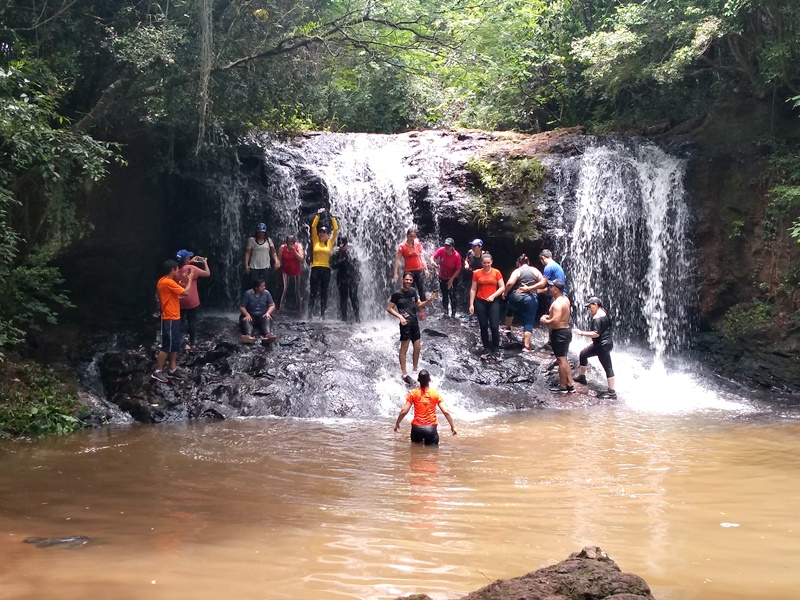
(424, 402)
(412, 257)
(487, 282)
(169, 294)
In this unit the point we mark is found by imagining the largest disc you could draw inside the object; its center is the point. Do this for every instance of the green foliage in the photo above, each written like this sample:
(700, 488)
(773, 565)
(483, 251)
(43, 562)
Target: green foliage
(497, 182)
(43, 168)
(735, 229)
(783, 179)
(741, 320)
(34, 402)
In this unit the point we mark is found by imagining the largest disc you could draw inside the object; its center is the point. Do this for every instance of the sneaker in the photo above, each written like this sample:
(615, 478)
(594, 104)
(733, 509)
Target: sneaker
(557, 389)
(159, 376)
(176, 374)
(570, 389)
(608, 394)
(407, 380)
(580, 379)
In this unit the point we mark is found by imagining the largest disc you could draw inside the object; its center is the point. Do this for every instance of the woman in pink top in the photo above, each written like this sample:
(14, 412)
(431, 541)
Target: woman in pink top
(449, 262)
(189, 303)
(291, 256)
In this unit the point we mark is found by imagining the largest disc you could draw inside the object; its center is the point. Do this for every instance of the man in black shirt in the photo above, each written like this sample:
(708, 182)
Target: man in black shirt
(601, 346)
(348, 277)
(405, 304)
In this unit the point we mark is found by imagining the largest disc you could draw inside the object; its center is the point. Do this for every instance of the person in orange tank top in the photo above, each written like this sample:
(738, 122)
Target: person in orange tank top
(424, 400)
(413, 262)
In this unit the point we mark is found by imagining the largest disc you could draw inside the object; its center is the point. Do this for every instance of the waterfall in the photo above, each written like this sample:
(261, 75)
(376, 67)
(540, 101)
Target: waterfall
(627, 240)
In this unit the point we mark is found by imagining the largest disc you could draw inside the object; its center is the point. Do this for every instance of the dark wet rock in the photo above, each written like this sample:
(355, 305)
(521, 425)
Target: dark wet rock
(74, 541)
(317, 369)
(586, 575)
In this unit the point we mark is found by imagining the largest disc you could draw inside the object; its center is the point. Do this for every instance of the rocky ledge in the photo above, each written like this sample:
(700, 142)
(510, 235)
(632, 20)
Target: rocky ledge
(318, 369)
(586, 575)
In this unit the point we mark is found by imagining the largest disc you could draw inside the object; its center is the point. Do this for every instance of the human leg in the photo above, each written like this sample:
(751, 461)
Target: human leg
(415, 355)
(285, 278)
(419, 282)
(494, 323)
(354, 301)
(445, 293)
(325, 283)
(314, 285)
(482, 312)
(403, 351)
(343, 295)
(191, 323)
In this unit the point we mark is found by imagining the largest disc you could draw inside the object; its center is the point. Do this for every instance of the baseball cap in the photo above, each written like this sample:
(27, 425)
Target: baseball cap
(476, 242)
(449, 242)
(261, 228)
(594, 300)
(322, 230)
(184, 254)
(556, 283)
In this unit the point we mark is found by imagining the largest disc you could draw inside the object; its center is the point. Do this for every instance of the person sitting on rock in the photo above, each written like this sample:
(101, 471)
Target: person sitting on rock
(256, 307)
(424, 400)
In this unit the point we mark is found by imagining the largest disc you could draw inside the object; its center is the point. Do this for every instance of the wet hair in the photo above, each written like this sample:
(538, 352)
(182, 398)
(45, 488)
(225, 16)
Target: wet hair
(546, 254)
(424, 378)
(257, 283)
(408, 274)
(411, 230)
(168, 266)
(522, 260)
(342, 240)
(486, 255)
(290, 239)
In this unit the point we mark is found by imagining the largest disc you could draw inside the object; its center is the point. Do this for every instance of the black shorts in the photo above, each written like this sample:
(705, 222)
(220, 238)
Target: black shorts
(427, 434)
(559, 340)
(409, 331)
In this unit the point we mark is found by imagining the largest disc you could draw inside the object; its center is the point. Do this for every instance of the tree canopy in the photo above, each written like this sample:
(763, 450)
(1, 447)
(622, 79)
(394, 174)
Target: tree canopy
(76, 74)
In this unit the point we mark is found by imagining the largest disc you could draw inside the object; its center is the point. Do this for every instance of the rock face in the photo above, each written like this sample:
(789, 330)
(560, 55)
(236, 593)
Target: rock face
(586, 575)
(322, 369)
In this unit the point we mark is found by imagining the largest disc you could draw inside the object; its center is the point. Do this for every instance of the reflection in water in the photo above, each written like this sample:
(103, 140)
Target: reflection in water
(347, 509)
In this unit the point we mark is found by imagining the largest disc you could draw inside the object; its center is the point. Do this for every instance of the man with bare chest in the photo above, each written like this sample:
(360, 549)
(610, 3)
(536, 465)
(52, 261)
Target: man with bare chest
(557, 320)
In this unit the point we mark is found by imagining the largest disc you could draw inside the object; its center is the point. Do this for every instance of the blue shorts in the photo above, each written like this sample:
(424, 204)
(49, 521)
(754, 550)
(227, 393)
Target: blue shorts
(170, 335)
(525, 306)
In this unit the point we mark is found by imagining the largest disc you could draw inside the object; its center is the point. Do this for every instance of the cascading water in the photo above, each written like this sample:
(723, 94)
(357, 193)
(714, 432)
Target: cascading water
(627, 241)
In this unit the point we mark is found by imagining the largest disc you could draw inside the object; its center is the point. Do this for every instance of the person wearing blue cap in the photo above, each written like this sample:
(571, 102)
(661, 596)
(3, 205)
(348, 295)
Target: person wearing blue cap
(260, 255)
(198, 267)
(472, 262)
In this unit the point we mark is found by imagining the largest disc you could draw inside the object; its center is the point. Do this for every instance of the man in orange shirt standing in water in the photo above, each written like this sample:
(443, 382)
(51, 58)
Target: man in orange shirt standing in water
(169, 295)
(424, 428)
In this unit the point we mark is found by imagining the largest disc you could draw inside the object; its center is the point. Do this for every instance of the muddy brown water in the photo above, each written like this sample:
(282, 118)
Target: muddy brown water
(702, 505)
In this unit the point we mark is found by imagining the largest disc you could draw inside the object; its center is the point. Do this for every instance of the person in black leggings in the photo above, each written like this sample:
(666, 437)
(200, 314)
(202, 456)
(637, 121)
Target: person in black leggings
(601, 346)
(487, 286)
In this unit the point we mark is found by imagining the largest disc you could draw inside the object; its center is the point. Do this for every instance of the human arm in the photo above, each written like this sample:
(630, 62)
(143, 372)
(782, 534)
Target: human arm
(402, 415)
(555, 314)
(472, 291)
(243, 308)
(422, 259)
(205, 271)
(335, 235)
(270, 310)
(189, 280)
(500, 288)
(275, 258)
(446, 413)
(454, 278)
(511, 281)
(314, 223)
(247, 252)
(397, 258)
(391, 308)
(431, 298)
(298, 250)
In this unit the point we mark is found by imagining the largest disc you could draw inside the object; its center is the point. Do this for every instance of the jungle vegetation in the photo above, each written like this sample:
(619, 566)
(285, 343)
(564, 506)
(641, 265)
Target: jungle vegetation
(77, 75)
